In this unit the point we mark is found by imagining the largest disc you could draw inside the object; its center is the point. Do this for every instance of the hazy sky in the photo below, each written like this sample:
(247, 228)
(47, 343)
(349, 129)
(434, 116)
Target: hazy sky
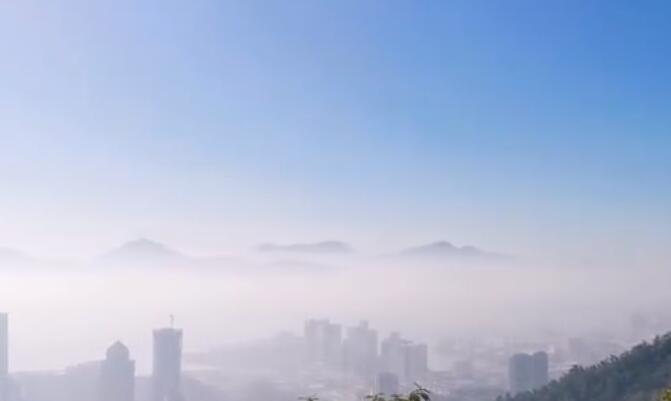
(525, 127)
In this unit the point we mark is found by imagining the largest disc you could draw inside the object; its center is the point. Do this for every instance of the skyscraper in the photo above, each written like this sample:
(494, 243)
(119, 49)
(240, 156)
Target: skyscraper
(4, 358)
(332, 352)
(407, 360)
(117, 375)
(519, 376)
(167, 364)
(323, 341)
(313, 339)
(361, 351)
(392, 355)
(527, 372)
(541, 363)
(416, 362)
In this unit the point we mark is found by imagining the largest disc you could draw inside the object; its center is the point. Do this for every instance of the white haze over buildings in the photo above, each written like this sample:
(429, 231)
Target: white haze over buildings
(290, 160)
(65, 313)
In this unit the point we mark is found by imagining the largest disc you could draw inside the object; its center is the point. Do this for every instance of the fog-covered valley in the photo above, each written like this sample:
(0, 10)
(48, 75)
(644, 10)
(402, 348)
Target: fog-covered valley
(65, 313)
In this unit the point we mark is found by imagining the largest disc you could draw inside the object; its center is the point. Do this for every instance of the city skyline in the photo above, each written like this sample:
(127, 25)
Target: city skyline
(167, 349)
(323, 351)
(398, 365)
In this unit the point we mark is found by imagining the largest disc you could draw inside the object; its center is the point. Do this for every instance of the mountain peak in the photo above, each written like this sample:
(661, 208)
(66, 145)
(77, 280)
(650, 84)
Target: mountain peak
(144, 245)
(445, 249)
(144, 251)
(441, 245)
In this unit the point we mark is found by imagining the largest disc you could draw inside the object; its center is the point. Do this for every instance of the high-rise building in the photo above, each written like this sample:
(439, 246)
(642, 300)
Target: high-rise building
(527, 372)
(386, 383)
(519, 375)
(408, 361)
(167, 364)
(541, 364)
(4, 358)
(392, 355)
(117, 375)
(360, 351)
(313, 334)
(332, 352)
(323, 342)
(416, 362)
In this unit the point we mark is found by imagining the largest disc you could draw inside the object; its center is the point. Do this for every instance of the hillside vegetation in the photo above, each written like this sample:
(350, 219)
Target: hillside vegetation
(640, 374)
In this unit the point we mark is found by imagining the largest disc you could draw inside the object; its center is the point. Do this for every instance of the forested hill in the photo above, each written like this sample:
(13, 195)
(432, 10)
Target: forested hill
(639, 374)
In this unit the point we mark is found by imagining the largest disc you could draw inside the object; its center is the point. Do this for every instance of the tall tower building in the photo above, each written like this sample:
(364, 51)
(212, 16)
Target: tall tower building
(313, 339)
(519, 376)
(332, 352)
(361, 351)
(407, 360)
(167, 365)
(393, 355)
(416, 362)
(541, 364)
(527, 372)
(323, 341)
(4, 358)
(117, 375)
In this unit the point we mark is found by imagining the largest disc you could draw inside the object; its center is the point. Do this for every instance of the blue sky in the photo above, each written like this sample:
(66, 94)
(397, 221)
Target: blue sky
(525, 127)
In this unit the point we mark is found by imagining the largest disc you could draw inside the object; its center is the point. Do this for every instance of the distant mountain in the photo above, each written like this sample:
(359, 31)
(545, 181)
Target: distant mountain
(446, 250)
(145, 252)
(324, 247)
(637, 375)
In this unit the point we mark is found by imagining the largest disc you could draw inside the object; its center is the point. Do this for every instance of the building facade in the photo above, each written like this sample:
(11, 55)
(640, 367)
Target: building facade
(528, 372)
(407, 360)
(360, 351)
(323, 342)
(167, 365)
(416, 362)
(117, 375)
(4, 358)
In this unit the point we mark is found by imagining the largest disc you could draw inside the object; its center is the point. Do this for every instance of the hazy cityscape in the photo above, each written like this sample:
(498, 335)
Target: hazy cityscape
(336, 362)
(335, 200)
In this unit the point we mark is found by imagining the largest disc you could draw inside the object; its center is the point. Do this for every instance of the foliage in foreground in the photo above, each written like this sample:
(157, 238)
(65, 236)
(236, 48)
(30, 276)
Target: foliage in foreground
(640, 374)
(418, 394)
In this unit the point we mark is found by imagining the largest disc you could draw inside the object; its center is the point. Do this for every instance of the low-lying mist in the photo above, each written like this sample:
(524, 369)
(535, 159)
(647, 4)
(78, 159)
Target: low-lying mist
(63, 316)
